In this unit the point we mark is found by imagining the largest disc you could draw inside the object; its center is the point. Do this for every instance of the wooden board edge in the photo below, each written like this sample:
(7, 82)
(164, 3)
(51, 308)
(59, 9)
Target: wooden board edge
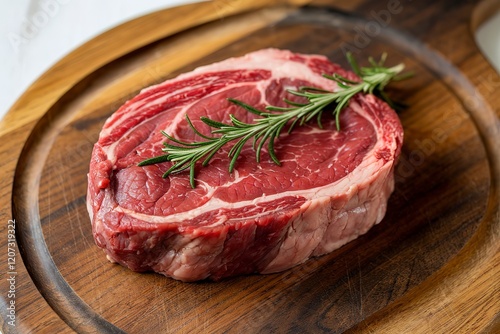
(483, 12)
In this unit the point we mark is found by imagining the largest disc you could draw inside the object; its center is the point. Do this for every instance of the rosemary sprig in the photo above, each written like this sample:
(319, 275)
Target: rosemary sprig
(273, 120)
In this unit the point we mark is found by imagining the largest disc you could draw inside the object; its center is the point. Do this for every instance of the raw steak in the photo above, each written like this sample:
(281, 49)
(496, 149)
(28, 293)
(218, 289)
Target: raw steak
(332, 186)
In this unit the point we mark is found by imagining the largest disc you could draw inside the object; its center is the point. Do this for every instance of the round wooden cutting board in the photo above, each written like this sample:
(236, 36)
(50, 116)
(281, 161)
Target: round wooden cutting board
(431, 266)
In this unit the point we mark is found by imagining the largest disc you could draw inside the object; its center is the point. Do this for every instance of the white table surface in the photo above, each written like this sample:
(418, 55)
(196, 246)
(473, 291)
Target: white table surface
(34, 34)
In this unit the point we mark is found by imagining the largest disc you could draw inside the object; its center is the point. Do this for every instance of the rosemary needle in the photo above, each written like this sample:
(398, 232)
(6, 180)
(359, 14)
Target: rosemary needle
(272, 121)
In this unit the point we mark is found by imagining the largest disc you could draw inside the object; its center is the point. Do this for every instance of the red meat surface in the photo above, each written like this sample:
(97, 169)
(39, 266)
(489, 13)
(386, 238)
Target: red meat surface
(332, 185)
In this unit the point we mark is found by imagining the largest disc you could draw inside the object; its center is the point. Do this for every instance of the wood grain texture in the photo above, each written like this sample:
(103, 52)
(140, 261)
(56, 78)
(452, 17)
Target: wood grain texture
(432, 265)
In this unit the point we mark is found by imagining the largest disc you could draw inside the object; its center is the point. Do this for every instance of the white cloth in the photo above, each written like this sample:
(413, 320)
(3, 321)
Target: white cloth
(35, 34)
